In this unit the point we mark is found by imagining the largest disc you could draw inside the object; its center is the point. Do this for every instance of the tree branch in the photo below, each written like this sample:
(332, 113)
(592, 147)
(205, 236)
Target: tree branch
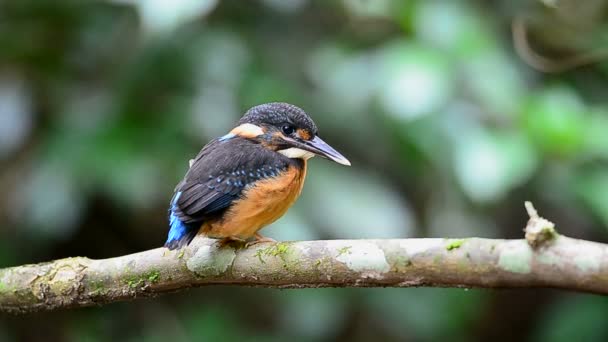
(545, 64)
(543, 259)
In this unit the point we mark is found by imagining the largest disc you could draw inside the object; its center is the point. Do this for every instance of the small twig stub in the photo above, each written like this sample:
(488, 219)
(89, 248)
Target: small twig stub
(538, 229)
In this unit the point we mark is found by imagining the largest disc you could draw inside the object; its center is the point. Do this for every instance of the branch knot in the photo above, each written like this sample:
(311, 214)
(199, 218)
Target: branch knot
(538, 229)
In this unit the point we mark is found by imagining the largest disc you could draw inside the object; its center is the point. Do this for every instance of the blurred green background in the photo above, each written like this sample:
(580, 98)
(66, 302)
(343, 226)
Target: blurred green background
(102, 103)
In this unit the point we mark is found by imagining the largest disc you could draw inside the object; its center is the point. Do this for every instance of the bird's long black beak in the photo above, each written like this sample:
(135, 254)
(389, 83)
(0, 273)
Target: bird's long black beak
(322, 149)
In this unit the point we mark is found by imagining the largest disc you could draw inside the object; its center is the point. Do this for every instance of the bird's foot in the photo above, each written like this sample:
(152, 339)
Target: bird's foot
(231, 240)
(259, 239)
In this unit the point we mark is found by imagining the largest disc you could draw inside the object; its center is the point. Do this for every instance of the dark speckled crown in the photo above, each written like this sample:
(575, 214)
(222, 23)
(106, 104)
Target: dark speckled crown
(279, 113)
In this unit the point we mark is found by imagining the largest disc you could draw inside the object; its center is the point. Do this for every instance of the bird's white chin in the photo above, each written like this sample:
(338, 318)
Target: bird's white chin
(296, 153)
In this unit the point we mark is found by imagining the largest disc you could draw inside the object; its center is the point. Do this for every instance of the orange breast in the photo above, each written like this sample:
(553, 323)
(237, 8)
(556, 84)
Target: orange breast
(263, 203)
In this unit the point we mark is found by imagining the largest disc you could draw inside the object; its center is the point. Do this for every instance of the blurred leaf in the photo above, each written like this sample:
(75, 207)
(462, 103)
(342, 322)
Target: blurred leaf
(49, 203)
(369, 9)
(16, 119)
(8, 250)
(574, 318)
(86, 328)
(592, 187)
(502, 94)
(214, 113)
(332, 193)
(425, 314)
(286, 6)
(222, 57)
(596, 137)
(554, 119)
(488, 166)
(159, 15)
(416, 81)
(5, 334)
(311, 313)
(263, 87)
(348, 79)
(422, 140)
(213, 324)
(292, 227)
(454, 26)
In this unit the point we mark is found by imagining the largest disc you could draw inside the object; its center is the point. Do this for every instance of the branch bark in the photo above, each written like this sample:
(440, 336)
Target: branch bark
(559, 262)
(543, 259)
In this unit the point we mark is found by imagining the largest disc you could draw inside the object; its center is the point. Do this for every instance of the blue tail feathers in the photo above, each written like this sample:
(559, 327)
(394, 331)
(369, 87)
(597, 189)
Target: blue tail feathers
(180, 234)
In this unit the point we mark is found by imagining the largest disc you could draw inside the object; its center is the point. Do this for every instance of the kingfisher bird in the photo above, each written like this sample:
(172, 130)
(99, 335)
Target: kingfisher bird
(248, 178)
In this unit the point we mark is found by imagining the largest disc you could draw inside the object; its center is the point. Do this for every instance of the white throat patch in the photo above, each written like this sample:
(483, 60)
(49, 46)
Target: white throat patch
(296, 153)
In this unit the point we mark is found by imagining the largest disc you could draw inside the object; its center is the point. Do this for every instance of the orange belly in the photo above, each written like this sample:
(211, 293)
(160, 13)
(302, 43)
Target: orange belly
(261, 205)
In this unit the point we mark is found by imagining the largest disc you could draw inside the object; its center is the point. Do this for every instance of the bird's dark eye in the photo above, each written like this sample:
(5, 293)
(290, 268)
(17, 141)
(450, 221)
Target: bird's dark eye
(288, 129)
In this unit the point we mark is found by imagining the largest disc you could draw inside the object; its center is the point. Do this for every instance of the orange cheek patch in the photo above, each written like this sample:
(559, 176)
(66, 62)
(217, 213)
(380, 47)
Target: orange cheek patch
(247, 131)
(304, 134)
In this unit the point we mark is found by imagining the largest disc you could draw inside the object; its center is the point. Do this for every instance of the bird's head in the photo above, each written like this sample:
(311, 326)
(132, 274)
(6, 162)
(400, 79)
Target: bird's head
(286, 129)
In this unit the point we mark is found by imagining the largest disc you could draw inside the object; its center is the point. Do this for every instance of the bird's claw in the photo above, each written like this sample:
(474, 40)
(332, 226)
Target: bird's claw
(230, 241)
(259, 239)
